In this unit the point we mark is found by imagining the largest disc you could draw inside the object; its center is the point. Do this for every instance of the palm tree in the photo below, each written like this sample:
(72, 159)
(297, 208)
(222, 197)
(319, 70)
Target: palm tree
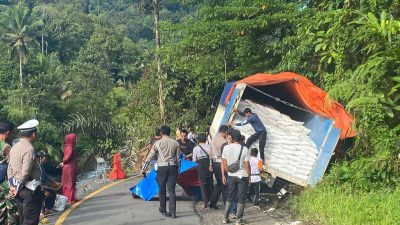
(19, 28)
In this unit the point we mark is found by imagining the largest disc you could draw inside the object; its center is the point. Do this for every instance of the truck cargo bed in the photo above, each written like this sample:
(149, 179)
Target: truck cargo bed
(323, 132)
(276, 173)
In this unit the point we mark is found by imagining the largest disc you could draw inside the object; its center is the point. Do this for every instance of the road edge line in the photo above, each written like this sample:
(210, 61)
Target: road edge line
(66, 213)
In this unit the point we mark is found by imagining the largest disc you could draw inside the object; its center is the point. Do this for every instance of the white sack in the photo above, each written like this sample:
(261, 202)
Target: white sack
(288, 147)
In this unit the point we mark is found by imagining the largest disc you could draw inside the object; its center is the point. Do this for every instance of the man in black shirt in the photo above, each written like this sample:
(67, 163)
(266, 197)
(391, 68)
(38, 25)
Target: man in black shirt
(185, 145)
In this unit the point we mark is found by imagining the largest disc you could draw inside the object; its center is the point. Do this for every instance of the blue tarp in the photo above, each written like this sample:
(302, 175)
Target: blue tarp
(147, 188)
(186, 165)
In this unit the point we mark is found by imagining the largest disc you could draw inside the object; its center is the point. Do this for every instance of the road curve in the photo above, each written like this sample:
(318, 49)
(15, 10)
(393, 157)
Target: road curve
(115, 206)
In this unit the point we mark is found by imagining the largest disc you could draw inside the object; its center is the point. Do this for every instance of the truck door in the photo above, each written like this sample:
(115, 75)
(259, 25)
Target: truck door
(325, 136)
(234, 101)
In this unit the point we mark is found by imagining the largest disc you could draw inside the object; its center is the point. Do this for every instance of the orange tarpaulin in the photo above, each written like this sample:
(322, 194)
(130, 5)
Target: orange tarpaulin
(310, 97)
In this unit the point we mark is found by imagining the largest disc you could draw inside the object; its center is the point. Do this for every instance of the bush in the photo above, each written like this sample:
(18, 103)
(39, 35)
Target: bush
(342, 205)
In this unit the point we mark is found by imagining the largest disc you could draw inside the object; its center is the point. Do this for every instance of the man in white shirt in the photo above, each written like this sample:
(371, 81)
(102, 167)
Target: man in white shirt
(238, 181)
(192, 135)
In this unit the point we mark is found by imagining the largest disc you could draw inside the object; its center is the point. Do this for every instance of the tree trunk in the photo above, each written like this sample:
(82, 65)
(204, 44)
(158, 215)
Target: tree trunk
(20, 79)
(156, 5)
(20, 69)
(42, 44)
(321, 76)
(43, 16)
(225, 66)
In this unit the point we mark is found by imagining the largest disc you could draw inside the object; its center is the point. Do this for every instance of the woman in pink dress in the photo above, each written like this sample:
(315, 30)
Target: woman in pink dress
(69, 167)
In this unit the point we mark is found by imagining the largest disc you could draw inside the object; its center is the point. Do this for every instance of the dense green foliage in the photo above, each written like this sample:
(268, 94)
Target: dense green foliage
(85, 66)
(94, 71)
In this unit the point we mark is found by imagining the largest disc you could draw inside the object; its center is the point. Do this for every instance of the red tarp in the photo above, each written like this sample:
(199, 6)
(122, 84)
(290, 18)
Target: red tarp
(310, 96)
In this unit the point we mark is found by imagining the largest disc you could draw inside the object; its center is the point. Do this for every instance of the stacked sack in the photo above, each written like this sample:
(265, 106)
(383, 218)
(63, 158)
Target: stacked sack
(288, 148)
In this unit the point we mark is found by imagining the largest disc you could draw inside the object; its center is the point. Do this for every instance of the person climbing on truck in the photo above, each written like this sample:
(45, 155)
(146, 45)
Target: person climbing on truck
(258, 126)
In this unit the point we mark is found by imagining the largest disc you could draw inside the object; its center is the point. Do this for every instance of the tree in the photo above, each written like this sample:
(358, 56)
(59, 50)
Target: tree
(20, 29)
(68, 31)
(156, 6)
(157, 39)
(223, 41)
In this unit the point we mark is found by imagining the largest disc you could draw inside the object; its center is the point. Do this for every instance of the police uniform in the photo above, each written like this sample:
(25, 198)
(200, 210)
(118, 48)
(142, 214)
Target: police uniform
(166, 150)
(24, 175)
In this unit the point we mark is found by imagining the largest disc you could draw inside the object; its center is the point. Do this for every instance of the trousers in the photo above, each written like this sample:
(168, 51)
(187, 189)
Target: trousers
(219, 187)
(255, 192)
(237, 189)
(29, 204)
(167, 176)
(262, 138)
(206, 179)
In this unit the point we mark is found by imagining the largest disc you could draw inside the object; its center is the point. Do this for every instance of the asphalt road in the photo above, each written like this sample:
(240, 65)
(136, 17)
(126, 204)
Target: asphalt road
(115, 206)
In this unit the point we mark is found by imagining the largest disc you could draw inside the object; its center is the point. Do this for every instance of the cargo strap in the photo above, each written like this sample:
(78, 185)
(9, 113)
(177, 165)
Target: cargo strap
(280, 100)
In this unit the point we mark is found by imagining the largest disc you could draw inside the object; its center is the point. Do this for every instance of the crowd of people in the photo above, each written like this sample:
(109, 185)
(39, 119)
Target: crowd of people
(224, 158)
(27, 191)
(225, 166)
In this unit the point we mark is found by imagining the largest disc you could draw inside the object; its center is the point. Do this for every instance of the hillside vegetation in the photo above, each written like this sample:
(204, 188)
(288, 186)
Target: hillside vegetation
(90, 66)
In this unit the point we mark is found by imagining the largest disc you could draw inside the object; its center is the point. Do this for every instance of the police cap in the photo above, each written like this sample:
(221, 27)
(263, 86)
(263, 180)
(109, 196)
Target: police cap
(28, 126)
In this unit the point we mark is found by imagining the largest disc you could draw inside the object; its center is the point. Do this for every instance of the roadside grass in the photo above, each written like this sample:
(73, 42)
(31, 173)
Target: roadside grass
(339, 205)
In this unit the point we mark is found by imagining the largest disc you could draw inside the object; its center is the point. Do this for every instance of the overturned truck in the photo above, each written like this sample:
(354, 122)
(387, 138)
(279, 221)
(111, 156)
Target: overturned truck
(303, 124)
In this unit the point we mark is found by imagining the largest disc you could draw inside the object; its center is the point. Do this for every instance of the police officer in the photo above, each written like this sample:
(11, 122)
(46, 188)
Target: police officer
(166, 150)
(24, 175)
